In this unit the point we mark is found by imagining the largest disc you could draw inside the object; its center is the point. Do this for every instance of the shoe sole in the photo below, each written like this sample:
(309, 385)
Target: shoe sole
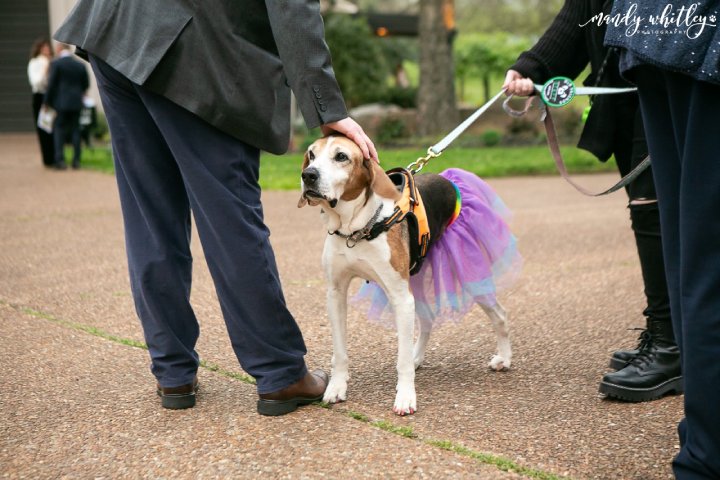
(177, 401)
(274, 408)
(674, 385)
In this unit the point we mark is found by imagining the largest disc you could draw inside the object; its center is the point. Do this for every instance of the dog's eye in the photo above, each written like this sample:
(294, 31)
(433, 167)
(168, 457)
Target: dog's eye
(311, 155)
(341, 157)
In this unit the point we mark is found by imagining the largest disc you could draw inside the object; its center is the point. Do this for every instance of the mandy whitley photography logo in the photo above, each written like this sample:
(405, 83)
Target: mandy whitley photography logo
(685, 19)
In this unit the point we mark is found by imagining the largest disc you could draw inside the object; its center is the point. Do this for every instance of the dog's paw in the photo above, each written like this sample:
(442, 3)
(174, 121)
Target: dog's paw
(405, 401)
(499, 363)
(336, 391)
(418, 360)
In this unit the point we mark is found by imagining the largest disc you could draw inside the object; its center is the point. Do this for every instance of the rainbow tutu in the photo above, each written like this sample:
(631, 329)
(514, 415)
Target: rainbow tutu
(474, 258)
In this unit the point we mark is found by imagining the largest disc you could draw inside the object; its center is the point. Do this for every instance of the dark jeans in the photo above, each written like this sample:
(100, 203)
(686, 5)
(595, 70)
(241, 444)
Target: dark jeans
(681, 121)
(169, 163)
(47, 146)
(67, 124)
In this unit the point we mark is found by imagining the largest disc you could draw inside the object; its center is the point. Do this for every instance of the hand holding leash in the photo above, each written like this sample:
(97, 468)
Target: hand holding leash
(516, 84)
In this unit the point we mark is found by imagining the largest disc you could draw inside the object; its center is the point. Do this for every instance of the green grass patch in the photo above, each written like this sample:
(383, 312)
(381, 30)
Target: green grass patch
(501, 463)
(97, 158)
(283, 172)
(404, 431)
(81, 327)
(227, 373)
(122, 341)
(358, 416)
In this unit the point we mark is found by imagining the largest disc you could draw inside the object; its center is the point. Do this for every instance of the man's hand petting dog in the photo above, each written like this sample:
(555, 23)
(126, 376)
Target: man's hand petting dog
(353, 131)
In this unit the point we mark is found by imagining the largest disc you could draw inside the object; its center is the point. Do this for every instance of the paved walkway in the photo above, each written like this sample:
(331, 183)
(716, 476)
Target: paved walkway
(77, 399)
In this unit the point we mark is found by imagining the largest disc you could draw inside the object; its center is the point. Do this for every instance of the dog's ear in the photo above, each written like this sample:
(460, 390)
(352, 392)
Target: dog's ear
(306, 161)
(380, 183)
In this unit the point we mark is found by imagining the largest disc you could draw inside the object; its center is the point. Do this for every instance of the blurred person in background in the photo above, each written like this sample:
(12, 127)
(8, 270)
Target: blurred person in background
(38, 70)
(67, 85)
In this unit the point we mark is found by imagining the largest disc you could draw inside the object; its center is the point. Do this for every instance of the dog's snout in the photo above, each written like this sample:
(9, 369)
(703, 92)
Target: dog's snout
(310, 175)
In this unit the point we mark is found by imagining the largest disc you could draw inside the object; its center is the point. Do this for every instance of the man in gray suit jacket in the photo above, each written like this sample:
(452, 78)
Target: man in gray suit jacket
(192, 91)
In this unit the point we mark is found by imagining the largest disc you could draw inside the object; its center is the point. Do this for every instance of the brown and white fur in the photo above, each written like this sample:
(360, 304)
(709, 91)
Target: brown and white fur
(350, 189)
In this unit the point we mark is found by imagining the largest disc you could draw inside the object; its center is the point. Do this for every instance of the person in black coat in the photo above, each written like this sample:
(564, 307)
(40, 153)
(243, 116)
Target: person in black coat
(613, 127)
(66, 87)
(677, 73)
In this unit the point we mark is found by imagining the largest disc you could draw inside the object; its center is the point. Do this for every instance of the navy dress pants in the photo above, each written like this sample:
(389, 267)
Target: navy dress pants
(67, 124)
(169, 163)
(683, 128)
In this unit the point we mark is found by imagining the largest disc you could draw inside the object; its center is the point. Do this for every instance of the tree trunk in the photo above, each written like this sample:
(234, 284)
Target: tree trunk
(436, 94)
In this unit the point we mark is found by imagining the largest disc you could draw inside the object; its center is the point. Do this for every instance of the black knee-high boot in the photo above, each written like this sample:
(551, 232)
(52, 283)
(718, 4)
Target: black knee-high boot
(653, 368)
(646, 226)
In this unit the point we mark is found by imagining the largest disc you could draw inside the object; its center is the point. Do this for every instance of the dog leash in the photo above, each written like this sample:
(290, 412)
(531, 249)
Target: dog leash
(554, 146)
(437, 149)
(556, 92)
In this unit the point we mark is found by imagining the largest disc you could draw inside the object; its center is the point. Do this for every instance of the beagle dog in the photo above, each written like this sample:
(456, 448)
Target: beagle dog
(355, 194)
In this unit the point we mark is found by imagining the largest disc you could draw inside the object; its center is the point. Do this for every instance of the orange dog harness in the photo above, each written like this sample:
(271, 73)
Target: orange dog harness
(409, 207)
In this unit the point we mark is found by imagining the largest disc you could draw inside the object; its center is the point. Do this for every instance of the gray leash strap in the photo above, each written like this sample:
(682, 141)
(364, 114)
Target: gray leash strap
(554, 146)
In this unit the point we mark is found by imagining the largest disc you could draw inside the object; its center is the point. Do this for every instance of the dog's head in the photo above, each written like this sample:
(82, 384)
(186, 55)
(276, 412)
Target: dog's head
(334, 170)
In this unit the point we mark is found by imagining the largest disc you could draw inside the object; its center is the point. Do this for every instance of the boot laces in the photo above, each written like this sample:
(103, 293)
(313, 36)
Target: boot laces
(646, 352)
(644, 339)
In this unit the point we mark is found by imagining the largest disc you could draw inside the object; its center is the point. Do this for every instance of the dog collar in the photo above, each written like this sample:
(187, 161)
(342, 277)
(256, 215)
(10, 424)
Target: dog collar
(352, 239)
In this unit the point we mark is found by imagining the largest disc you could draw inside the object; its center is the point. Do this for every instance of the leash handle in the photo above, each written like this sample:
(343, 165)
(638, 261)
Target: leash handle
(552, 142)
(554, 146)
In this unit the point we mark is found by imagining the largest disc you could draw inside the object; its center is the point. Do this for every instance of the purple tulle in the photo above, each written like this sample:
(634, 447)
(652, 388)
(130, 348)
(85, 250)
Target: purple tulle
(475, 257)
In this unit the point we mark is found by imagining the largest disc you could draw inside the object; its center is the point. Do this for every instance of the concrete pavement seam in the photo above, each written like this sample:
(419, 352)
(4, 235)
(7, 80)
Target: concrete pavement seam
(122, 341)
(501, 463)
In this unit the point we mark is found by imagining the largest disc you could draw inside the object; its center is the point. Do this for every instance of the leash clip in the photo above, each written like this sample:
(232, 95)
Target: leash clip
(418, 164)
(356, 237)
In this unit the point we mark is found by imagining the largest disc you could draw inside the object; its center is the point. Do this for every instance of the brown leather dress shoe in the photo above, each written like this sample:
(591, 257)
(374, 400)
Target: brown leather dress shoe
(307, 390)
(177, 398)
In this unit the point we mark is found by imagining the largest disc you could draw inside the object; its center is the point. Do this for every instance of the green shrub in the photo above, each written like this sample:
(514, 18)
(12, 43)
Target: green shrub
(402, 97)
(391, 129)
(358, 61)
(490, 138)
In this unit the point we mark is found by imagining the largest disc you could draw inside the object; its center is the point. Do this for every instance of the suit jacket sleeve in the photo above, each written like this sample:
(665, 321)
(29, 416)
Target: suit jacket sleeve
(300, 37)
(561, 50)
